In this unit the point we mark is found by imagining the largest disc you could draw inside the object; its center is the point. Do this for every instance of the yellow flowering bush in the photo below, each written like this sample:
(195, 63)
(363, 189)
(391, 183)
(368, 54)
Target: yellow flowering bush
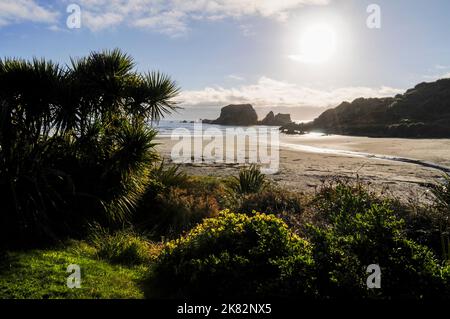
(234, 255)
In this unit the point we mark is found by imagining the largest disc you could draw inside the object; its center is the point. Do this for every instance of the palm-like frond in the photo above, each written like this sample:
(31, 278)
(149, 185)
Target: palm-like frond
(131, 160)
(153, 96)
(74, 139)
(32, 91)
(104, 70)
(101, 79)
(249, 181)
(169, 175)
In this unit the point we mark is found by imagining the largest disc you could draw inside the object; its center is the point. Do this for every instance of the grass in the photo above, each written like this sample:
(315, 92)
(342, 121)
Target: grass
(41, 274)
(341, 219)
(122, 247)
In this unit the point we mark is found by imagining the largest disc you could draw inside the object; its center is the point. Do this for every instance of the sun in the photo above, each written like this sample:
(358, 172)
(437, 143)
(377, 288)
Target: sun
(317, 44)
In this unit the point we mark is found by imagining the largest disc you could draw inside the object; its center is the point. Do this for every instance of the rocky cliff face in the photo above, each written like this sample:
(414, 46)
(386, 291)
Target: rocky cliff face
(240, 115)
(276, 120)
(423, 111)
(245, 115)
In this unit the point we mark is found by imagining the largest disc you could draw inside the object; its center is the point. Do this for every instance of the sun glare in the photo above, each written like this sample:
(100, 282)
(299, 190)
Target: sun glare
(317, 44)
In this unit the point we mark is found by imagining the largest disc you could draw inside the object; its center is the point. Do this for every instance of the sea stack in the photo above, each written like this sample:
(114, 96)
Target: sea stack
(236, 114)
(276, 120)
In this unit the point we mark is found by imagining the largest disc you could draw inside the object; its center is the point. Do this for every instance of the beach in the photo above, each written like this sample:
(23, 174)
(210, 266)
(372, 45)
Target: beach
(307, 161)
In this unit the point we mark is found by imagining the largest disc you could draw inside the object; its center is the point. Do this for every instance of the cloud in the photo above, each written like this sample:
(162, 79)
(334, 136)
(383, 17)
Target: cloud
(269, 92)
(170, 23)
(101, 21)
(173, 16)
(17, 11)
(235, 77)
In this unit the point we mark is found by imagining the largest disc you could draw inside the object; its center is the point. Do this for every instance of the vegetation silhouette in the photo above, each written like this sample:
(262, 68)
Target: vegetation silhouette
(74, 144)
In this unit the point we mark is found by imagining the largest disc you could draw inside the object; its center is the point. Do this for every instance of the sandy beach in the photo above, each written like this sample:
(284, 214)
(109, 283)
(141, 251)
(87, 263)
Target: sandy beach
(307, 161)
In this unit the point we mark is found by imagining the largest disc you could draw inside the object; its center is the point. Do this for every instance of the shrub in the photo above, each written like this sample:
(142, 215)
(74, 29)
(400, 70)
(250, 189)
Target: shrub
(273, 201)
(442, 193)
(174, 211)
(360, 232)
(234, 256)
(169, 176)
(422, 223)
(212, 187)
(74, 145)
(249, 181)
(337, 197)
(442, 207)
(121, 247)
(257, 255)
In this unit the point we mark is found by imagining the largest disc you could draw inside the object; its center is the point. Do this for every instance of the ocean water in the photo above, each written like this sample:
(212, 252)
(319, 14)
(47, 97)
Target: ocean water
(165, 128)
(207, 143)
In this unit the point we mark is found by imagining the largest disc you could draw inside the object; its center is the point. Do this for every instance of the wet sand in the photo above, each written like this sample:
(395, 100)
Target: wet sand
(307, 161)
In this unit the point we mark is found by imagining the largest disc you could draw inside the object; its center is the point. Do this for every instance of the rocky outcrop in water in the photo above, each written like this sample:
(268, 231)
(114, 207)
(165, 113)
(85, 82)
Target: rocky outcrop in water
(240, 115)
(245, 115)
(276, 120)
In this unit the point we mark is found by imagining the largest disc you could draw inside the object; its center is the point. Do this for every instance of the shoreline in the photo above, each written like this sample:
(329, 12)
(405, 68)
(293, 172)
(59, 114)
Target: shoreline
(317, 150)
(307, 162)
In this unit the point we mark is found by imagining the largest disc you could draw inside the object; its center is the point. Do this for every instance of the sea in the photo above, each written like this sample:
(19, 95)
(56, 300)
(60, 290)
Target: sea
(166, 128)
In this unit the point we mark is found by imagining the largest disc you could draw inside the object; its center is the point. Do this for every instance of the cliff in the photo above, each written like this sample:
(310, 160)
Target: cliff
(421, 112)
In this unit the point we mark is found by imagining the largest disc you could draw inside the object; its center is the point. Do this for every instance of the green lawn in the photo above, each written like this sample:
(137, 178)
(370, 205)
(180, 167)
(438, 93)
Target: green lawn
(41, 274)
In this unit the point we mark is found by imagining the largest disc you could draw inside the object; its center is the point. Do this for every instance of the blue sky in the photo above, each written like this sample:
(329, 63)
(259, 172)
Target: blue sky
(230, 51)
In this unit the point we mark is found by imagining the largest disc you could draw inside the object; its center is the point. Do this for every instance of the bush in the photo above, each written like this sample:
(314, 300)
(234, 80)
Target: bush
(121, 247)
(169, 176)
(257, 255)
(336, 197)
(249, 181)
(273, 201)
(360, 232)
(174, 211)
(74, 143)
(234, 256)
(421, 223)
(212, 187)
(442, 207)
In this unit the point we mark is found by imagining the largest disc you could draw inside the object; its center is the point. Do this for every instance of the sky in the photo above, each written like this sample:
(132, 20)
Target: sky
(270, 53)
